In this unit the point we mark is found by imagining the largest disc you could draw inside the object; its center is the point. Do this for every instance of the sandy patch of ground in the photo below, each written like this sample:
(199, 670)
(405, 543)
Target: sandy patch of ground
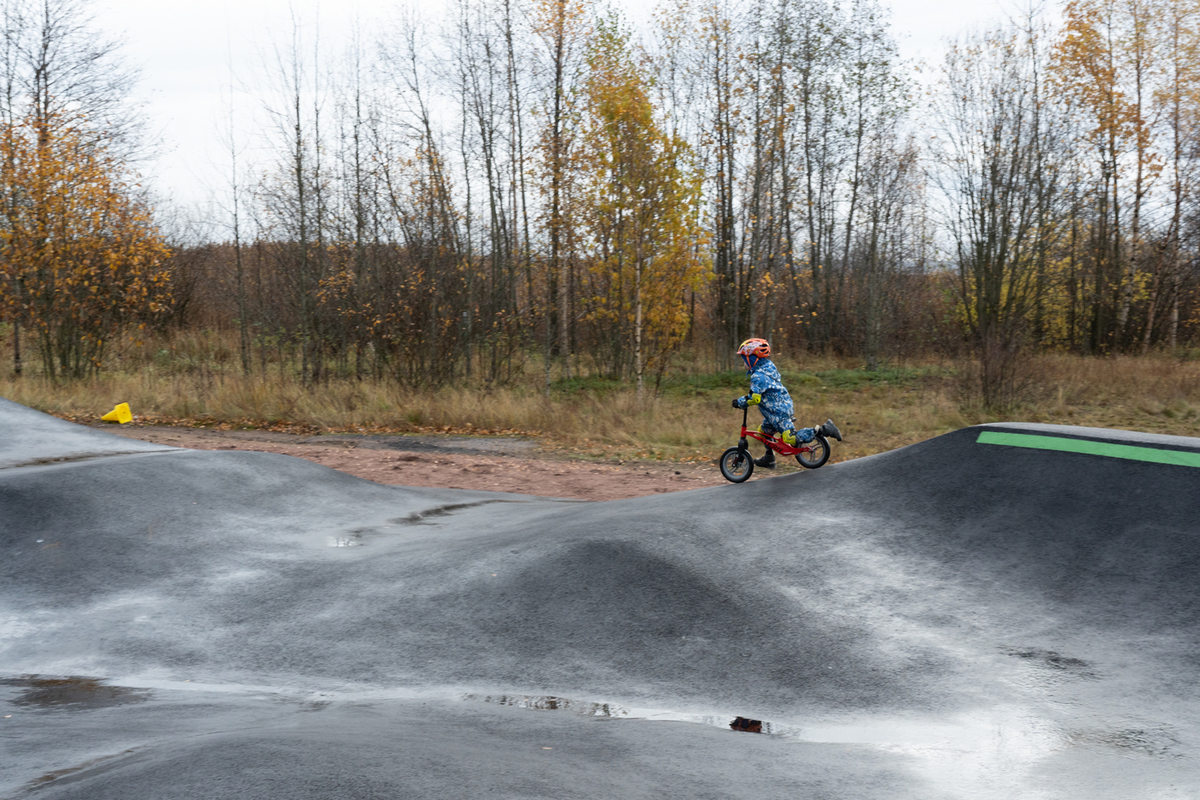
(491, 464)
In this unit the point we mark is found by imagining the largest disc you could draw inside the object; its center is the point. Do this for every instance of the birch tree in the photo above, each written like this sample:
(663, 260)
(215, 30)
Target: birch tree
(640, 209)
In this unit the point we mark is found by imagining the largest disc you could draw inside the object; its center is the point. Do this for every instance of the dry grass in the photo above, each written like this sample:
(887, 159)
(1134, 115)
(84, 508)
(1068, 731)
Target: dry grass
(196, 383)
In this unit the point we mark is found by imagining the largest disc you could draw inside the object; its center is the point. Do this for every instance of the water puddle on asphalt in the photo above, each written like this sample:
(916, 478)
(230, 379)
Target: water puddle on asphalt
(358, 536)
(998, 747)
(1054, 661)
(50, 777)
(75, 693)
(69, 459)
(614, 711)
(422, 517)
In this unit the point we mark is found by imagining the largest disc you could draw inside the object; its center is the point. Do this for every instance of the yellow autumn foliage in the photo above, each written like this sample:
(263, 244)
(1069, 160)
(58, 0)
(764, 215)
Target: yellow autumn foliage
(639, 214)
(81, 258)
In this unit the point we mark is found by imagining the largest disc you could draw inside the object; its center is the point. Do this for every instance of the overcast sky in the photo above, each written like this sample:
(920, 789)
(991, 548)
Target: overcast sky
(184, 50)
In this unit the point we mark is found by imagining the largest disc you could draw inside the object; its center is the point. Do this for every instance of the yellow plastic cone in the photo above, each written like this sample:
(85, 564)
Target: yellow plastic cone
(120, 414)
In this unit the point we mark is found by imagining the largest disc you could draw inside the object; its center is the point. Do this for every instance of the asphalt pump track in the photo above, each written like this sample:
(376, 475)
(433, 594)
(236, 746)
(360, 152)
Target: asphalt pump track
(1004, 611)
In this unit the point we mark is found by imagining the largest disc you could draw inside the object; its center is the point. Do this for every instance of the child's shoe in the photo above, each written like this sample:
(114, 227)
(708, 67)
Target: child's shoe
(767, 461)
(831, 431)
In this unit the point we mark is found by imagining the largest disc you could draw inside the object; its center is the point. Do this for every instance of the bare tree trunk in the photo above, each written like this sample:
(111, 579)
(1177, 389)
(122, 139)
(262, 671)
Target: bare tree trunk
(558, 262)
(1173, 326)
(239, 267)
(638, 359)
(18, 366)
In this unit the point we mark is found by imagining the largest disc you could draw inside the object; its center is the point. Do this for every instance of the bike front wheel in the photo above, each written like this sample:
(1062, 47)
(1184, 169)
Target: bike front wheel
(815, 453)
(736, 464)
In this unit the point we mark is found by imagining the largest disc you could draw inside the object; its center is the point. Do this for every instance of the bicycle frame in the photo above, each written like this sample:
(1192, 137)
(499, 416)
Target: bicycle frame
(778, 445)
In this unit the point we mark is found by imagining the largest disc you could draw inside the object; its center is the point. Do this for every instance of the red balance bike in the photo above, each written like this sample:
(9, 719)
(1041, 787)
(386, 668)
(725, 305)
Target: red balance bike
(737, 464)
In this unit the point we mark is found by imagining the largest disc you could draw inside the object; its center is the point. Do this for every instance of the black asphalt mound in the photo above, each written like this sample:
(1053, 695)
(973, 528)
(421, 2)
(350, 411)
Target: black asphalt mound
(953, 619)
(1111, 541)
(33, 438)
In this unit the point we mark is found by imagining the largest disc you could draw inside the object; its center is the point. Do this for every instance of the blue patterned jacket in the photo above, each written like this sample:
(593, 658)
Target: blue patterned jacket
(776, 405)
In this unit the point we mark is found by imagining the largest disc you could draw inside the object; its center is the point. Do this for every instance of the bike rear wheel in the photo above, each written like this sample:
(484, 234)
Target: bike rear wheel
(816, 454)
(736, 464)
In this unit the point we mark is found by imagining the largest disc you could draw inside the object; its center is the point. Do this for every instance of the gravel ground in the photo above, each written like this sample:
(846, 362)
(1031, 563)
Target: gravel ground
(451, 462)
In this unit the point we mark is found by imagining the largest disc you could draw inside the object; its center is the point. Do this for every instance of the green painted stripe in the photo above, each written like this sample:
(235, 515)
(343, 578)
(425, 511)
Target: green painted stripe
(1108, 449)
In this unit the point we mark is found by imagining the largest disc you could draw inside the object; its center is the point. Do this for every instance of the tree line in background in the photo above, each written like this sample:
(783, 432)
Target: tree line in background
(536, 178)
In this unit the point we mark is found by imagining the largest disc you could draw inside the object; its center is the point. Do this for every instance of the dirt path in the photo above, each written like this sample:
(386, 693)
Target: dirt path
(452, 462)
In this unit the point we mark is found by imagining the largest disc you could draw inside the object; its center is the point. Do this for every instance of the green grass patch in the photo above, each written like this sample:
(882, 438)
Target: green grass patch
(900, 377)
(703, 384)
(672, 386)
(591, 384)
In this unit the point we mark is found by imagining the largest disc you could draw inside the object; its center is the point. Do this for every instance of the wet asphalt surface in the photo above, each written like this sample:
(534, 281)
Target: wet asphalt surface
(949, 620)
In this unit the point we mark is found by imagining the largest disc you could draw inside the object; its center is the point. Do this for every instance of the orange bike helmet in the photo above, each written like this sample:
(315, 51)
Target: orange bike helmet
(752, 350)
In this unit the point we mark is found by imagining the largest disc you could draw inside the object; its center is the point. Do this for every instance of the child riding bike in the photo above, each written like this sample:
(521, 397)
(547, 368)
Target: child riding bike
(768, 393)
